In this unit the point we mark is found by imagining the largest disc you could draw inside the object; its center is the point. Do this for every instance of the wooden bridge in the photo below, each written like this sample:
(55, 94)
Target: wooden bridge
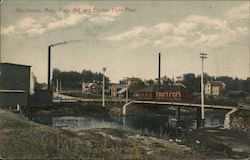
(61, 98)
(232, 109)
(193, 105)
(66, 98)
(176, 104)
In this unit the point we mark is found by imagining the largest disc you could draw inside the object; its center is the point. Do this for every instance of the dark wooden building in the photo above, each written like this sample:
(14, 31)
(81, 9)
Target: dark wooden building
(148, 93)
(14, 84)
(173, 93)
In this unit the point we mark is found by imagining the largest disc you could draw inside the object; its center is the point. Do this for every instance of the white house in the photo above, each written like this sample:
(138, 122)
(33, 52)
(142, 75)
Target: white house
(214, 88)
(84, 87)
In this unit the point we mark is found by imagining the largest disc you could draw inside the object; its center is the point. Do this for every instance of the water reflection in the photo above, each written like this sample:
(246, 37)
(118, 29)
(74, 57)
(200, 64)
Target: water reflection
(161, 124)
(80, 123)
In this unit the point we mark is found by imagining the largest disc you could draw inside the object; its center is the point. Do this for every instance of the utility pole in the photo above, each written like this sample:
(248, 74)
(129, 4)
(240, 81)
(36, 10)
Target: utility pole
(202, 56)
(159, 70)
(49, 65)
(249, 64)
(60, 90)
(57, 86)
(127, 93)
(103, 87)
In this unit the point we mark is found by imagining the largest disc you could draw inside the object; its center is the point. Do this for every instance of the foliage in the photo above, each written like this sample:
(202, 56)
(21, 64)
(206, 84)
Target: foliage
(232, 84)
(73, 79)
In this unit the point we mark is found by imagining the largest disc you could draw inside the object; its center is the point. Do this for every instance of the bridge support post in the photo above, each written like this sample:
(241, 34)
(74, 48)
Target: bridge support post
(202, 122)
(177, 113)
(198, 117)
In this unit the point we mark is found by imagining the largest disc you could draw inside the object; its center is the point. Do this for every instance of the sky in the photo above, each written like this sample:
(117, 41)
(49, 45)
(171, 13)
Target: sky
(126, 36)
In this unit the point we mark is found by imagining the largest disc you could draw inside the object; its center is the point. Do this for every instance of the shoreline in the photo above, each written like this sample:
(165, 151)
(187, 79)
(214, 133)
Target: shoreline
(19, 135)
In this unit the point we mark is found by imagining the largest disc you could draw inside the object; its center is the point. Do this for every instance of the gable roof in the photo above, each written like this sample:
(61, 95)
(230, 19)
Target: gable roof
(122, 91)
(216, 83)
(149, 89)
(173, 88)
(90, 84)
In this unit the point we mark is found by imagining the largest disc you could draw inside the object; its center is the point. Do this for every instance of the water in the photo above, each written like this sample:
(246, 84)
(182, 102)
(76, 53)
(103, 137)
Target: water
(160, 124)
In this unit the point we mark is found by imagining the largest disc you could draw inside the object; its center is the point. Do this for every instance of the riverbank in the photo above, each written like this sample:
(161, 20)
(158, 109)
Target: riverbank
(115, 109)
(24, 139)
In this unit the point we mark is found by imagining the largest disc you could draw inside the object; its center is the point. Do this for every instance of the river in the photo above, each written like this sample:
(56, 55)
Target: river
(149, 124)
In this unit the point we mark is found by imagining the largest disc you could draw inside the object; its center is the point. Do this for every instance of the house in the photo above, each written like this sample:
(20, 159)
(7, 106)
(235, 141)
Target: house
(131, 81)
(94, 88)
(84, 87)
(122, 92)
(148, 93)
(179, 84)
(214, 88)
(14, 84)
(173, 93)
(115, 88)
(163, 80)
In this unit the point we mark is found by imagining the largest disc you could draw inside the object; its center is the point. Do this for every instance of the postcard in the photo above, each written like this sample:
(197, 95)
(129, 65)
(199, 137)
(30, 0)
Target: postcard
(116, 79)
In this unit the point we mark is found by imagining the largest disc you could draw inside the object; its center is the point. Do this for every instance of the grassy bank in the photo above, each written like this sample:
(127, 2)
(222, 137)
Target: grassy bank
(24, 139)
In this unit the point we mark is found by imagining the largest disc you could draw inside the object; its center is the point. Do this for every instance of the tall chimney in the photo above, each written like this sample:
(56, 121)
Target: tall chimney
(159, 71)
(49, 56)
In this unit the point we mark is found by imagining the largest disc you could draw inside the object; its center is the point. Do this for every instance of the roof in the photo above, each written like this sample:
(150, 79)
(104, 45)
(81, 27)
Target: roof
(216, 83)
(90, 84)
(15, 64)
(12, 91)
(179, 84)
(122, 91)
(118, 85)
(173, 88)
(149, 89)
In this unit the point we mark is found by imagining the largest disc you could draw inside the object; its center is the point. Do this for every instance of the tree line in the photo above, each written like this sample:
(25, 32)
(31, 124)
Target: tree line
(232, 84)
(73, 79)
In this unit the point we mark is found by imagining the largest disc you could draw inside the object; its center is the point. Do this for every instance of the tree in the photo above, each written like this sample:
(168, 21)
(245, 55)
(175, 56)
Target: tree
(149, 82)
(73, 79)
(189, 80)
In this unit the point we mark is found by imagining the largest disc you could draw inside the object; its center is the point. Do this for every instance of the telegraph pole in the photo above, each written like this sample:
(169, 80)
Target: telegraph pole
(57, 86)
(103, 87)
(202, 56)
(127, 93)
(159, 70)
(49, 65)
(249, 64)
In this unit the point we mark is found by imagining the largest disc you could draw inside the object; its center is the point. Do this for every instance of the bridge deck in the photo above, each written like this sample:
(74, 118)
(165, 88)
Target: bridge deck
(244, 106)
(184, 104)
(65, 98)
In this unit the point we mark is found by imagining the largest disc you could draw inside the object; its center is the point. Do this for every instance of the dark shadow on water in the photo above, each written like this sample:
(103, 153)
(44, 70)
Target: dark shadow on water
(158, 125)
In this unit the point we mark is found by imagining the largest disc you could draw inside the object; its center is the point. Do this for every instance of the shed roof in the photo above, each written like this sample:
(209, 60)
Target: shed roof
(15, 64)
(122, 91)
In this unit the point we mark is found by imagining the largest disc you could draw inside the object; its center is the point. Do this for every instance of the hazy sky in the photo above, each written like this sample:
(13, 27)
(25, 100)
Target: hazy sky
(126, 37)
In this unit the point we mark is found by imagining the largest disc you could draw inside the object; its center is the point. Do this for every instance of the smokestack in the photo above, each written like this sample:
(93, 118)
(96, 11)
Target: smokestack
(159, 71)
(49, 56)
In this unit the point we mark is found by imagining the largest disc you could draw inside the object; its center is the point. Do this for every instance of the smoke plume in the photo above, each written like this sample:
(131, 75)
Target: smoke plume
(65, 42)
